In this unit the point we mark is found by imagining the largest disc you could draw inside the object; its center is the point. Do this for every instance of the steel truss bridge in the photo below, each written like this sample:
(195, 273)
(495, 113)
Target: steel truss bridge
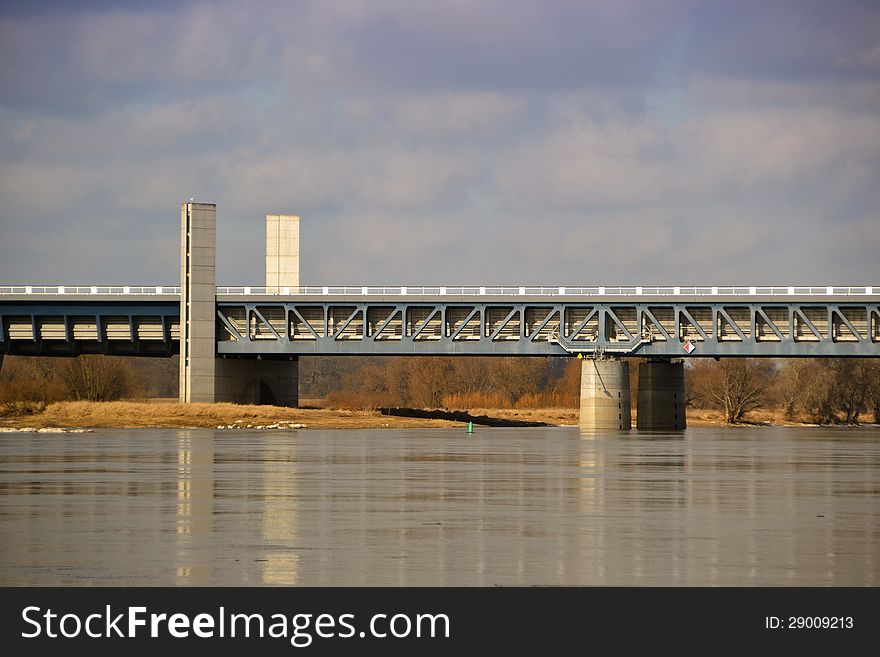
(664, 322)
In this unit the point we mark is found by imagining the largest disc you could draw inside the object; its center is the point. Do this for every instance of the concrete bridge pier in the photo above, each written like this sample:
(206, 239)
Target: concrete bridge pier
(252, 381)
(661, 399)
(605, 398)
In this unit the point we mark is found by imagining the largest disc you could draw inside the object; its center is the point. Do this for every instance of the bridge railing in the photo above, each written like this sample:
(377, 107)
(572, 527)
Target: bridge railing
(460, 291)
(568, 291)
(100, 290)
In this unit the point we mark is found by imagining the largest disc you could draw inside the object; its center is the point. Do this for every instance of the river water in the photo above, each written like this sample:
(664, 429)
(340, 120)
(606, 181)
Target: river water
(749, 506)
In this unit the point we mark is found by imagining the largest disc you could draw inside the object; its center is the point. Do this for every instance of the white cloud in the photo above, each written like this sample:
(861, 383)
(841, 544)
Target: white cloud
(455, 114)
(463, 142)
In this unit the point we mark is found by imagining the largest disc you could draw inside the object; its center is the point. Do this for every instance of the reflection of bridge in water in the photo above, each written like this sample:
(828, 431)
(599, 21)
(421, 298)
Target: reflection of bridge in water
(710, 507)
(242, 343)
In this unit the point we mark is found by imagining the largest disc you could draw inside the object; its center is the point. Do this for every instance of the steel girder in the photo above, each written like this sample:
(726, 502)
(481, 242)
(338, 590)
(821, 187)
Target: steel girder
(426, 327)
(46, 328)
(392, 327)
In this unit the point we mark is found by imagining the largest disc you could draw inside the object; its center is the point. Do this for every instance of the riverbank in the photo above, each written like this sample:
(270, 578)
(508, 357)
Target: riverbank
(169, 414)
(124, 414)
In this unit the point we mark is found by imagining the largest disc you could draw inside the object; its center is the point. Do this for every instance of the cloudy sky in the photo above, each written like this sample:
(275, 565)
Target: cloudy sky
(462, 141)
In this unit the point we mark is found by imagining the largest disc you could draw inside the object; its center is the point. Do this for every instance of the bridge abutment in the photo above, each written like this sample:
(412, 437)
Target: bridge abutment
(605, 397)
(251, 381)
(661, 398)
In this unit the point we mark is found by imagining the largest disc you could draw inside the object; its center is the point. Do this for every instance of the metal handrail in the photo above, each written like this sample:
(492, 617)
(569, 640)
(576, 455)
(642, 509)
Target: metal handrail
(459, 291)
(92, 290)
(546, 291)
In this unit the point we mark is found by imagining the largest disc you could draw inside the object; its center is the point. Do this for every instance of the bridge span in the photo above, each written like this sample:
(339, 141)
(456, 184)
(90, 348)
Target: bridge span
(663, 322)
(243, 343)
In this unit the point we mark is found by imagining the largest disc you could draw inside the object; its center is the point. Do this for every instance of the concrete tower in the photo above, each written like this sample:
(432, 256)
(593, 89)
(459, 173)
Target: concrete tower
(198, 239)
(282, 251)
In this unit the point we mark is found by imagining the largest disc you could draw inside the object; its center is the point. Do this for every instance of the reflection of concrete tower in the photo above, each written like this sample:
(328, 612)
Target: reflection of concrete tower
(280, 564)
(282, 251)
(195, 504)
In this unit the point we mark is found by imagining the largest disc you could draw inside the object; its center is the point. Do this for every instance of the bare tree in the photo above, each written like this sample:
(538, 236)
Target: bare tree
(830, 390)
(875, 392)
(806, 385)
(96, 378)
(31, 379)
(738, 385)
(515, 377)
(429, 380)
(854, 382)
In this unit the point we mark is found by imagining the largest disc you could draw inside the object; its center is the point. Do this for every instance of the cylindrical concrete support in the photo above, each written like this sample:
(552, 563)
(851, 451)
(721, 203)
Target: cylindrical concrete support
(605, 400)
(661, 396)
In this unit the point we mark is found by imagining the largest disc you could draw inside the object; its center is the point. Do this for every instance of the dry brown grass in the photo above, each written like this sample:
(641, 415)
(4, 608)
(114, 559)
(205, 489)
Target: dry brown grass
(558, 416)
(708, 417)
(125, 414)
(153, 413)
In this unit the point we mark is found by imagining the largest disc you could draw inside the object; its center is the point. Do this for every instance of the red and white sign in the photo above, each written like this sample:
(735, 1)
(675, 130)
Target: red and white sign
(689, 346)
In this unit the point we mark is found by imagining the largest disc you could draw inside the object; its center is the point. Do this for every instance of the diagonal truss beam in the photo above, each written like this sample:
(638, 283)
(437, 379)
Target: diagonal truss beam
(733, 325)
(501, 326)
(425, 322)
(647, 312)
(228, 326)
(387, 321)
(299, 316)
(696, 324)
(811, 326)
(772, 325)
(544, 323)
(341, 329)
(616, 320)
(263, 319)
(837, 311)
(467, 321)
(580, 325)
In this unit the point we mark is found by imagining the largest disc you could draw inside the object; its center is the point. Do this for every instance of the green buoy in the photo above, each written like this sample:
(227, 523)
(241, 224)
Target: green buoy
(470, 427)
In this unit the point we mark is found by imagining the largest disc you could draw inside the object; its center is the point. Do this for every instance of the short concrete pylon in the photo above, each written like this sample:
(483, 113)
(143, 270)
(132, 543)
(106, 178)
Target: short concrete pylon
(661, 400)
(605, 398)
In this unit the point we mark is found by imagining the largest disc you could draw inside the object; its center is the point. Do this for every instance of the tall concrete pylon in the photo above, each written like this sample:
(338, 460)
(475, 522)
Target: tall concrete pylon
(198, 346)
